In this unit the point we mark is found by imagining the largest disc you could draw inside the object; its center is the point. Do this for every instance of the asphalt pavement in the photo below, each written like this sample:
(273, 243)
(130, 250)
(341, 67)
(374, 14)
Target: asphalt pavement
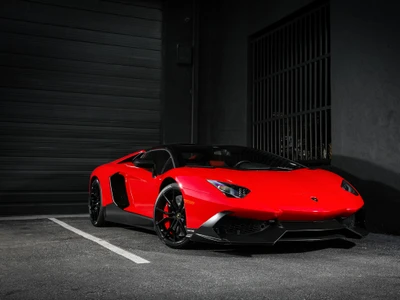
(40, 259)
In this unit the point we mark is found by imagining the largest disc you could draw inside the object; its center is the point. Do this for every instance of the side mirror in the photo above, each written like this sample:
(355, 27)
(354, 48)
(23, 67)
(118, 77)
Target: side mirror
(144, 163)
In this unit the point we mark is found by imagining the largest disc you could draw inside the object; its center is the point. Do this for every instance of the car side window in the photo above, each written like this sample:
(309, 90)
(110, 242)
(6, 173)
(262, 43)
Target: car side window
(161, 159)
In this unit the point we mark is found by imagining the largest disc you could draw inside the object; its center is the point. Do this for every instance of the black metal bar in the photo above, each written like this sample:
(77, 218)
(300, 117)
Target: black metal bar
(261, 94)
(279, 113)
(315, 107)
(282, 126)
(319, 35)
(291, 88)
(304, 112)
(278, 142)
(328, 39)
(307, 97)
(326, 101)
(288, 92)
(298, 84)
(258, 93)
(296, 96)
(272, 57)
(273, 92)
(328, 80)
(302, 82)
(253, 90)
(269, 127)
(275, 114)
(264, 95)
(319, 107)
(305, 63)
(284, 114)
(255, 94)
(267, 91)
(309, 105)
(311, 84)
(317, 83)
(283, 87)
(269, 94)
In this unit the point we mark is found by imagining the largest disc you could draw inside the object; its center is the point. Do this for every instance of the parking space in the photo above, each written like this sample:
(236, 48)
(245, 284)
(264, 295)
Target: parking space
(42, 260)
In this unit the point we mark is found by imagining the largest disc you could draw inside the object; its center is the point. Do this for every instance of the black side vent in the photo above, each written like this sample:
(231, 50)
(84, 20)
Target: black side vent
(118, 190)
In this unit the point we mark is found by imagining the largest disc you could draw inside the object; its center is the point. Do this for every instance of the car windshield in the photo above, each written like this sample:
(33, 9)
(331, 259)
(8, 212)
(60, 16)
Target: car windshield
(232, 157)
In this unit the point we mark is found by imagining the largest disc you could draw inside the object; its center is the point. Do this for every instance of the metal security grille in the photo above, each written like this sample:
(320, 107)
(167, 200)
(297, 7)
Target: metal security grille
(290, 86)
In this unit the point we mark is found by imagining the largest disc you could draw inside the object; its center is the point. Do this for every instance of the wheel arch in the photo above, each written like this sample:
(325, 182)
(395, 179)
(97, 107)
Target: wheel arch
(167, 181)
(93, 178)
(101, 174)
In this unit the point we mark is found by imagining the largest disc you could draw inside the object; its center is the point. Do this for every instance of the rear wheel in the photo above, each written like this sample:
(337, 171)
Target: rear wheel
(170, 217)
(96, 210)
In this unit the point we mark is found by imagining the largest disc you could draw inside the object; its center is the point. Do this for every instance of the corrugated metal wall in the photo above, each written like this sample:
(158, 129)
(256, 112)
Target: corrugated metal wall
(80, 86)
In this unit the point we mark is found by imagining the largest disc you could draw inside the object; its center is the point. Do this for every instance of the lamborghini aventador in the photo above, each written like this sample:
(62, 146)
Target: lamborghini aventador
(223, 194)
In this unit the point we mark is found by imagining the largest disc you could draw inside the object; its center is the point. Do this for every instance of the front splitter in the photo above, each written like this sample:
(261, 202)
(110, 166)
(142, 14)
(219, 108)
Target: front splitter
(225, 229)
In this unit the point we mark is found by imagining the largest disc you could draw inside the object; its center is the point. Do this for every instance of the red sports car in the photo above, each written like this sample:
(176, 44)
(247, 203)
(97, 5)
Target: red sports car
(223, 194)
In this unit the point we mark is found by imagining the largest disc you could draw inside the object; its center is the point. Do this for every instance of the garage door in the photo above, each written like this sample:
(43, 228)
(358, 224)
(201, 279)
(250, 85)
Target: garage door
(80, 86)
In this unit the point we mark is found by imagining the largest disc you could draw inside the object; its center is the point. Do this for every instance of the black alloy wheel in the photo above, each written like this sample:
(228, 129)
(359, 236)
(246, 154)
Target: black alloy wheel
(96, 211)
(170, 217)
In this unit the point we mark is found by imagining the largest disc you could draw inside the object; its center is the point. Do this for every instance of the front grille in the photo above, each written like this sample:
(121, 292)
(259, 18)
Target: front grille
(239, 226)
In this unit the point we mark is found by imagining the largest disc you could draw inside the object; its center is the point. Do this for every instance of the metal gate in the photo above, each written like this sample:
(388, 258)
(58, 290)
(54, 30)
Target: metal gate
(290, 86)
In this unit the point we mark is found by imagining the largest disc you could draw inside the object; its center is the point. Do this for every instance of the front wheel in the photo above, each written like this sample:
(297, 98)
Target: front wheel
(96, 210)
(170, 217)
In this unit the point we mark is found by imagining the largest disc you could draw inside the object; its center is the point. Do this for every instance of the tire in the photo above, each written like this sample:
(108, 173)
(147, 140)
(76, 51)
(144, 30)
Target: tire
(96, 209)
(170, 217)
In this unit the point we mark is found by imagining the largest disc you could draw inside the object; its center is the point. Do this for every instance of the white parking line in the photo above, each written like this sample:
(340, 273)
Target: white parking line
(38, 217)
(111, 247)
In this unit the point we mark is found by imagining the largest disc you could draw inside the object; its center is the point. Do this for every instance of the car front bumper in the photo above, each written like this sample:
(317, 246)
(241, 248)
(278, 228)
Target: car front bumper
(224, 228)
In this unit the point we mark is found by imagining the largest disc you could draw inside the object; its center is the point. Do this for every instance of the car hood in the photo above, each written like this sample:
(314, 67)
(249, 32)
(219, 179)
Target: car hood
(308, 190)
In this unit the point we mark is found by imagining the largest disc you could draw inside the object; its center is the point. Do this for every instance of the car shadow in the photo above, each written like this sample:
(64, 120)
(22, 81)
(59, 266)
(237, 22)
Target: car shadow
(250, 250)
(379, 188)
(279, 248)
(138, 229)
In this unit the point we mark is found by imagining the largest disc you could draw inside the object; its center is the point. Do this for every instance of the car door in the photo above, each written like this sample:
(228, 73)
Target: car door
(144, 184)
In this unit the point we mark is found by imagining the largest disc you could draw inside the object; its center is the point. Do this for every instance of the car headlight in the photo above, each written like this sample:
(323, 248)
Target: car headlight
(230, 190)
(348, 188)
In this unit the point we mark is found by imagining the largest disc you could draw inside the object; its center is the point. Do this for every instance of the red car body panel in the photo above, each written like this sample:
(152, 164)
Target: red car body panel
(281, 195)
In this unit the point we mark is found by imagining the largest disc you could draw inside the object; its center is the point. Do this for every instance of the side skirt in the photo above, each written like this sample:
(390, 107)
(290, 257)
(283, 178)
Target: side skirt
(116, 215)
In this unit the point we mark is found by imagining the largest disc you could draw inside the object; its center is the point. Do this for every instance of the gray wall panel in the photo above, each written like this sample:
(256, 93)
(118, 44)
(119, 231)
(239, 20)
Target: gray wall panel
(79, 51)
(78, 34)
(81, 86)
(62, 15)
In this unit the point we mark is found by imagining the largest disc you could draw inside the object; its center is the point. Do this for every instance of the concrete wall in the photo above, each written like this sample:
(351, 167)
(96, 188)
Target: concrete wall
(177, 97)
(365, 90)
(366, 104)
